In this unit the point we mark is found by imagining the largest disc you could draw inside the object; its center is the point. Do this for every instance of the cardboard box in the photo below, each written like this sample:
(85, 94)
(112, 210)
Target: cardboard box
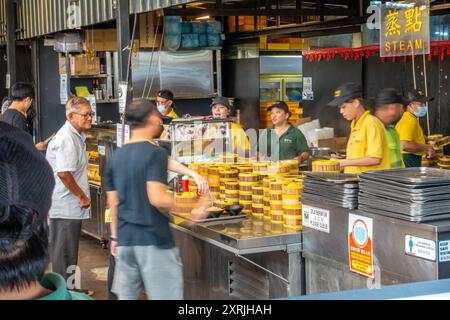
(278, 46)
(100, 40)
(335, 144)
(80, 65)
(147, 30)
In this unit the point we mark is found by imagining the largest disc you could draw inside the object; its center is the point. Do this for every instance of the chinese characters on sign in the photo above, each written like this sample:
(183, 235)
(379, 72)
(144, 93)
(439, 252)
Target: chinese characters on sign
(405, 28)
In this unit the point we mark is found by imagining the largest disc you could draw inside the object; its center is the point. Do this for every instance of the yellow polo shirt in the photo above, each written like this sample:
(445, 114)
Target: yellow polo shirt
(368, 139)
(409, 129)
(172, 114)
(239, 138)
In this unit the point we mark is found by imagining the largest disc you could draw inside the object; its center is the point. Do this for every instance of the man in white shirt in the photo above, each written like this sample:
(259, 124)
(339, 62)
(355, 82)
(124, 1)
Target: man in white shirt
(67, 155)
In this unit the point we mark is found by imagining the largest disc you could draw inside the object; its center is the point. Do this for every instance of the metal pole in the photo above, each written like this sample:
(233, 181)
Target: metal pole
(11, 42)
(426, 92)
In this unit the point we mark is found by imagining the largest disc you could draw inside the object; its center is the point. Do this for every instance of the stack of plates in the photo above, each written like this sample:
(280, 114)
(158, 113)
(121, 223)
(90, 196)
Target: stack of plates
(413, 194)
(332, 188)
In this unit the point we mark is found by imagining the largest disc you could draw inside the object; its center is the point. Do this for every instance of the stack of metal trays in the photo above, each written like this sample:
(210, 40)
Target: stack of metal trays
(412, 194)
(336, 189)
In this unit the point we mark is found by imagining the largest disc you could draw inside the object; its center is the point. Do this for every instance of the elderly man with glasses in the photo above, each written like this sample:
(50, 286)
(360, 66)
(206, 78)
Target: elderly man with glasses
(70, 202)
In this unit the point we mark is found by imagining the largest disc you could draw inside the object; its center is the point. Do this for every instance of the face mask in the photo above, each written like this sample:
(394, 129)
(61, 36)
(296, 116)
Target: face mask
(162, 108)
(422, 112)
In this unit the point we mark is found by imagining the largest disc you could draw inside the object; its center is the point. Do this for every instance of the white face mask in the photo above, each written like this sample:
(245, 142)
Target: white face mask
(162, 108)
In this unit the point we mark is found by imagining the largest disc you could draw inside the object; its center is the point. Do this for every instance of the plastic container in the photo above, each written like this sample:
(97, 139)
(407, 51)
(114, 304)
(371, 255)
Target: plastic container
(189, 40)
(198, 27)
(186, 27)
(213, 27)
(214, 40)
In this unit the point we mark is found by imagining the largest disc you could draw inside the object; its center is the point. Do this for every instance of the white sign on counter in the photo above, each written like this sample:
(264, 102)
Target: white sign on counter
(419, 247)
(316, 218)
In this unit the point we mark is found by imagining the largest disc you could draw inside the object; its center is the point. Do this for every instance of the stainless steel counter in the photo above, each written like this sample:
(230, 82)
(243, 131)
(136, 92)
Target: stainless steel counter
(239, 259)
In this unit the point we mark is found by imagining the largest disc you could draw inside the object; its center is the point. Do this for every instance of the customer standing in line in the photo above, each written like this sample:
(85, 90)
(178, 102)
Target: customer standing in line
(71, 199)
(16, 114)
(137, 193)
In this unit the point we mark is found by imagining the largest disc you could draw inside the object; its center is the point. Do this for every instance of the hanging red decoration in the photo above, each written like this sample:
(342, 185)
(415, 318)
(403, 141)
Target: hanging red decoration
(439, 48)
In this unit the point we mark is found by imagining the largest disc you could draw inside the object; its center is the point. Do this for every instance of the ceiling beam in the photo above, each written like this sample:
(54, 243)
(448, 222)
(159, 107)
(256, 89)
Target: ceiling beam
(255, 12)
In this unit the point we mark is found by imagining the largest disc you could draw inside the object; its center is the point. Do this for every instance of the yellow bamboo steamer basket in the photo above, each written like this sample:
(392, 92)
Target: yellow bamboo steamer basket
(276, 205)
(229, 174)
(276, 197)
(248, 177)
(245, 197)
(291, 203)
(276, 228)
(194, 166)
(292, 220)
(245, 169)
(258, 200)
(277, 216)
(247, 212)
(292, 212)
(326, 166)
(214, 181)
(260, 168)
(232, 186)
(232, 158)
(213, 170)
(292, 188)
(203, 170)
(258, 190)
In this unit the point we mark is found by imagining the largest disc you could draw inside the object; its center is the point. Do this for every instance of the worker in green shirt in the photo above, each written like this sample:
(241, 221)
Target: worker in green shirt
(389, 110)
(282, 141)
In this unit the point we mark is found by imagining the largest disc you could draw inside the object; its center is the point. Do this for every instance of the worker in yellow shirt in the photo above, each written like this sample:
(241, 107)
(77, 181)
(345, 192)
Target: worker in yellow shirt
(220, 109)
(412, 139)
(165, 104)
(367, 148)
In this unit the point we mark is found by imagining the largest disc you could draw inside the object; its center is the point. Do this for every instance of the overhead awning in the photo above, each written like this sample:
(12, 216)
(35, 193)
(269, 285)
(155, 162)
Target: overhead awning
(40, 17)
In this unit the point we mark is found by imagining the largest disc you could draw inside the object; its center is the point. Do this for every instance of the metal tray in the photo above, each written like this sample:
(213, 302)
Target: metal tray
(326, 184)
(418, 176)
(417, 219)
(405, 196)
(331, 192)
(366, 183)
(348, 204)
(410, 186)
(332, 177)
(221, 218)
(407, 209)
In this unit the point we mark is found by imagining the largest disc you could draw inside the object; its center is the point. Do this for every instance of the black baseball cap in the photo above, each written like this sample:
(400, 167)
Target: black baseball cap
(166, 94)
(389, 96)
(345, 93)
(220, 100)
(417, 95)
(280, 105)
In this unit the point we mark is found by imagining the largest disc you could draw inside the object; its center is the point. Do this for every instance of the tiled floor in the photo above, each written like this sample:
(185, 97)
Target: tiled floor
(94, 261)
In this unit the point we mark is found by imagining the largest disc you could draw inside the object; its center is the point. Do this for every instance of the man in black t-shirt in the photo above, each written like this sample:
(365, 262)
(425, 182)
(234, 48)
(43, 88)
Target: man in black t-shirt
(136, 185)
(22, 95)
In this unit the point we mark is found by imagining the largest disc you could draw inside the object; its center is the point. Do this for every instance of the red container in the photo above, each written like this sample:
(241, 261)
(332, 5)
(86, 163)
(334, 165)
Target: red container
(185, 183)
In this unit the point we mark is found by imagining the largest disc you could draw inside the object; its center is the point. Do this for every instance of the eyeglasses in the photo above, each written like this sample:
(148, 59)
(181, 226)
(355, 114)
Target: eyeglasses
(86, 115)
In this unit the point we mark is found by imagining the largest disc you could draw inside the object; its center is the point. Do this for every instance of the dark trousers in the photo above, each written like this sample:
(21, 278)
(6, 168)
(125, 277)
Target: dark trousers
(64, 242)
(111, 268)
(412, 160)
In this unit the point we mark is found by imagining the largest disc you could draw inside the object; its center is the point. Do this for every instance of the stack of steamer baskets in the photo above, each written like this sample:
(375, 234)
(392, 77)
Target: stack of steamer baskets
(268, 191)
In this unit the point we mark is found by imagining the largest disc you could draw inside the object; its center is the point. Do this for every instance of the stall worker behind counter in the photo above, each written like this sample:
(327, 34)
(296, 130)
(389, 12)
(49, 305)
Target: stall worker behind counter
(165, 104)
(367, 146)
(282, 138)
(220, 109)
(412, 139)
(389, 109)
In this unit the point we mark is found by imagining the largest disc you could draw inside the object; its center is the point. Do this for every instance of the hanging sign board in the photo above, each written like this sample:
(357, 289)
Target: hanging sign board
(405, 28)
(63, 89)
(93, 103)
(123, 88)
(360, 245)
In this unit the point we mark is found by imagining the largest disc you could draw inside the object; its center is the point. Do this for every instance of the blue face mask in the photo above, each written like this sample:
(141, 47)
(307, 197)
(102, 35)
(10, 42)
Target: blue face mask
(162, 108)
(421, 112)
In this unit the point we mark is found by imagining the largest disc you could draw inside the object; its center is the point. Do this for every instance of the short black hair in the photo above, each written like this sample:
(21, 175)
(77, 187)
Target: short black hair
(138, 111)
(23, 248)
(22, 90)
